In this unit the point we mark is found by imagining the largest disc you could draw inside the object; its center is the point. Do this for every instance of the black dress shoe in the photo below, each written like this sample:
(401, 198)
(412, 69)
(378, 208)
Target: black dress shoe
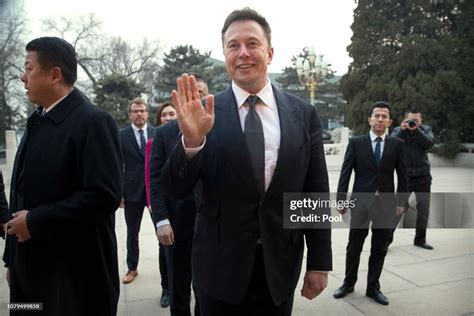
(343, 291)
(165, 299)
(423, 244)
(377, 296)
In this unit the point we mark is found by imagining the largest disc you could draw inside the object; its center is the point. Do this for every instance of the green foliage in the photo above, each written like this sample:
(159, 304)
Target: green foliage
(187, 59)
(114, 92)
(414, 53)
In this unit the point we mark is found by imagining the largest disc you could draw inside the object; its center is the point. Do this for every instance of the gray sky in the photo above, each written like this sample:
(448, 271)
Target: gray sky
(295, 24)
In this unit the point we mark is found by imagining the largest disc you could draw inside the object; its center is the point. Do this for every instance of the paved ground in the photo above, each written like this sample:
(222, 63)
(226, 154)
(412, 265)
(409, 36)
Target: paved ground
(416, 281)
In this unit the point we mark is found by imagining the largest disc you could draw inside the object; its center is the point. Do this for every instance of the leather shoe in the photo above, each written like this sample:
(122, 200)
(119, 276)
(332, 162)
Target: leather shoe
(343, 291)
(165, 299)
(377, 296)
(423, 244)
(129, 276)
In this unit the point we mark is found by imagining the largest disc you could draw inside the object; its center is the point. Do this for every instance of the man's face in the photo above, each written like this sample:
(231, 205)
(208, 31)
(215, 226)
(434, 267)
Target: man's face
(247, 55)
(138, 114)
(380, 120)
(37, 80)
(202, 89)
(415, 117)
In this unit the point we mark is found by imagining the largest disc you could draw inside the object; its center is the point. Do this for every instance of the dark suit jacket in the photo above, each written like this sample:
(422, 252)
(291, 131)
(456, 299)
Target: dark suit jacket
(3, 206)
(134, 164)
(231, 214)
(181, 213)
(68, 174)
(360, 157)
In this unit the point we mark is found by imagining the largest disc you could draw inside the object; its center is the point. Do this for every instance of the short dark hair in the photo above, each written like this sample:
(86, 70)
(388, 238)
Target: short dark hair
(56, 52)
(381, 105)
(136, 101)
(160, 110)
(413, 110)
(248, 14)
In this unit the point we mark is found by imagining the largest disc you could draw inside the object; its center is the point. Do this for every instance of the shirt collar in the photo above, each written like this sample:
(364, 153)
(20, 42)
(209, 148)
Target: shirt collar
(265, 94)
(135, 129)
(373, 136)
(42, 109)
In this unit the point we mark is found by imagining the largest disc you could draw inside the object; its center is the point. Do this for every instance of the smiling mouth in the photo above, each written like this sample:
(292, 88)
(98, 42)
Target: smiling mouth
(245, 66)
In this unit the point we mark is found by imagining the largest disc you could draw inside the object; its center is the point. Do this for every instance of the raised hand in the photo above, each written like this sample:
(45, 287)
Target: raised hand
(194, 120)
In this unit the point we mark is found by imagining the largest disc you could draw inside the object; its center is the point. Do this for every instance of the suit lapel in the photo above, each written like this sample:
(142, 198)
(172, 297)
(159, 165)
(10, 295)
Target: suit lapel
(387, 148)
(133, 140)
(370, 151)
(291, 137)
(150, 132)
(231, 137)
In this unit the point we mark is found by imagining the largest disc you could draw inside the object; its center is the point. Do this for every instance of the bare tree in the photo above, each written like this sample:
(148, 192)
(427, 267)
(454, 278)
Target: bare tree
(84, 33)
(100, 55)
(12, 96)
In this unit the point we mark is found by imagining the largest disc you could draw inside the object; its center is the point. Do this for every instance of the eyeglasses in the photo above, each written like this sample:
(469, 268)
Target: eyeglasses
(138, 111)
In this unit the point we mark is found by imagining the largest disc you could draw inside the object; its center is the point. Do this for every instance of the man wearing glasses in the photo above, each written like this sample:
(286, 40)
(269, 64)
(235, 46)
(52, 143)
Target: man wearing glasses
(133, 139)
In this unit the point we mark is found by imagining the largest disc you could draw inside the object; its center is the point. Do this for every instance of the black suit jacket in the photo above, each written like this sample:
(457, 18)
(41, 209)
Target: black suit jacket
(369, 178)
(182, 212)
(231, 215)
(68, 174)
(134, 164)
(3, 206)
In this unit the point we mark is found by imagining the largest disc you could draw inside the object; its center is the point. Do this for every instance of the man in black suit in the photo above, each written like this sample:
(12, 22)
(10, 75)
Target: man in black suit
(175, 223)
(133, 139)
(374, 157)
(247, 154)
(66, 186)
(3, 208)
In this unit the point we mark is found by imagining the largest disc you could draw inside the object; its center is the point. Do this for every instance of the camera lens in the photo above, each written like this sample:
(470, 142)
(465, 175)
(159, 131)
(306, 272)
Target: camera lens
(411, 123)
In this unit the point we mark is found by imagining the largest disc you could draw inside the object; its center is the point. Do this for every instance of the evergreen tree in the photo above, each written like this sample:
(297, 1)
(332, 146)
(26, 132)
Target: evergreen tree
(113, 93)
(187, 59)
(408, 53)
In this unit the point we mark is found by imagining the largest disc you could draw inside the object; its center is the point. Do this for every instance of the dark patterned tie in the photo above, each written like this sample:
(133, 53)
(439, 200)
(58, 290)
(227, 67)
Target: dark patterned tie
(378, 152)
(142, 141)
(253, 131)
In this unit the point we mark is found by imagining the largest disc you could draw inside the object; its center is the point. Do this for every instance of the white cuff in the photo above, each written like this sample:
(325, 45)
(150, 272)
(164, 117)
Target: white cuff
(191, 152)
(163, 222)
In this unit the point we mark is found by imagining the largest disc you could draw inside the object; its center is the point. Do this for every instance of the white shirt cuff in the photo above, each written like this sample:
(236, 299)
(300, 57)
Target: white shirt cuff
(163, 222)
(191, 152)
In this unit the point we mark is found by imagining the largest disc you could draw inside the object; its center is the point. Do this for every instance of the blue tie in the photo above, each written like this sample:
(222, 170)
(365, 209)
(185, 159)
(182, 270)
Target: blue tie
(142, 141)
(378, 152)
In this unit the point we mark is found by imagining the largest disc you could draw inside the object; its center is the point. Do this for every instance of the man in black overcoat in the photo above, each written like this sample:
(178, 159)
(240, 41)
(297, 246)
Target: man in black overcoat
(66, 185)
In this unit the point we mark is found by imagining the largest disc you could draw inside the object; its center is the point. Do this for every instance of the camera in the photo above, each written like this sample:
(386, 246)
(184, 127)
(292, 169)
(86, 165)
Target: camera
(411, 123)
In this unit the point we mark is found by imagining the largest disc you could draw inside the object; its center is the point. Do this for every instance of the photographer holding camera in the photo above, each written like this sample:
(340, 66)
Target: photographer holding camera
(418, 139)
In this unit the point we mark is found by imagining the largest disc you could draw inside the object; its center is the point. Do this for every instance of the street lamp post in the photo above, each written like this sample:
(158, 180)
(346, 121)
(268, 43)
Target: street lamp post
(311, 71)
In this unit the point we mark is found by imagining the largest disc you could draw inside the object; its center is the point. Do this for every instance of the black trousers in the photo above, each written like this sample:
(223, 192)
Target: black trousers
(163, 266)
(133, 219)
(258, 300)
(421, 187)
(178, 258)
(378, 250)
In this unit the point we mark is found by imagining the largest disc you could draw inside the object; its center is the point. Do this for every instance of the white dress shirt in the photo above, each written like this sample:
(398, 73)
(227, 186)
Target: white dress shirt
(373, 138)
(137, 134)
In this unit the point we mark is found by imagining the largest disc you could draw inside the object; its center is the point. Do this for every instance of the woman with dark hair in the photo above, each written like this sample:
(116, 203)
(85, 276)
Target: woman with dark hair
(166, 112)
